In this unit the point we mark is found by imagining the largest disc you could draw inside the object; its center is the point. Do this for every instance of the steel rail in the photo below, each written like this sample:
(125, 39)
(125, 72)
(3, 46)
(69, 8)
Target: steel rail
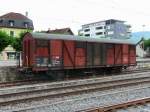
(112, 108)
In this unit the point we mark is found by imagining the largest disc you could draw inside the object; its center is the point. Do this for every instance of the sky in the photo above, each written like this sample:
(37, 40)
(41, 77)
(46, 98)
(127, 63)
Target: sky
(55, 14)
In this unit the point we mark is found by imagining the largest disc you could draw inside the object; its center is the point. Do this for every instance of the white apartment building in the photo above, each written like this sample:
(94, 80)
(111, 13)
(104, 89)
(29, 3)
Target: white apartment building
(106, 29)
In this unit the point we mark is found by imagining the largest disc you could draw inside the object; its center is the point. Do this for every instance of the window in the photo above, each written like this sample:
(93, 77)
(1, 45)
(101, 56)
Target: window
(11, 55)
(81, 34)
(99, 33)
(12, 33)
(108, 27)
(26, 24)
(11, 23)
(87, 35)
(86, 30)
(110, 33)
(97, 28)
(1, 21)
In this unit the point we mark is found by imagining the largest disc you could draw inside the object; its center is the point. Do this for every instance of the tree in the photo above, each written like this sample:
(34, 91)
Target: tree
(5, 40)
(17, 42)
(146, 43)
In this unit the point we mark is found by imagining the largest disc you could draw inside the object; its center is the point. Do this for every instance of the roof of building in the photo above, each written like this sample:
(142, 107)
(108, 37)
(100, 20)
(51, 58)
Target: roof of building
(61, 31)
(102, 21)
(13, 15)
(79, 38)
(18, 19)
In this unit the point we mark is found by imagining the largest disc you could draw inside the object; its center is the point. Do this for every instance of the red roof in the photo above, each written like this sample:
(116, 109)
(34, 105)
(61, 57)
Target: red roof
(13, 15)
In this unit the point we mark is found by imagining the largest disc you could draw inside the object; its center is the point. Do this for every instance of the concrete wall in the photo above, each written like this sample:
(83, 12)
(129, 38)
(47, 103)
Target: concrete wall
(8, 71)
(8, 74)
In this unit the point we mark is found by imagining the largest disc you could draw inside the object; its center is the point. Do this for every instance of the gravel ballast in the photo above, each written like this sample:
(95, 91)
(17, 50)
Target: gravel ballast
(87, 100)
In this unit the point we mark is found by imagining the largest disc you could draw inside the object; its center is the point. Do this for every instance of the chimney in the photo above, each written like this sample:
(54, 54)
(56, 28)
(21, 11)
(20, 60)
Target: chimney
(26, 14)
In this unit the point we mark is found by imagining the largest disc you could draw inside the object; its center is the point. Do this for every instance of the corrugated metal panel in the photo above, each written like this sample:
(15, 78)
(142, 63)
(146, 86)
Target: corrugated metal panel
(110, 54)
(89, 54)
(80, 51)
(80, 57)
(97, 54)
(56, 53)
(125, 53)
(125, 49)
(132, 51)
(125, 59)
(56, 48)
(80, 61)
(132, 54)
(42, 51)
(80, 44)
(103, 48)
(118, 54)
(133, 60)
(68, 53)
(79, 38)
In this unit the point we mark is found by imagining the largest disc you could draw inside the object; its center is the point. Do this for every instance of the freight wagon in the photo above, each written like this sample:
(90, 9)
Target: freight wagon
(59, 54)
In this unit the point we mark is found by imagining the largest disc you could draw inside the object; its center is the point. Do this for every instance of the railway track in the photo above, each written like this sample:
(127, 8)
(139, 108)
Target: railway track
(112, 108)
(75, 105)
(69, 88)
(21, 82)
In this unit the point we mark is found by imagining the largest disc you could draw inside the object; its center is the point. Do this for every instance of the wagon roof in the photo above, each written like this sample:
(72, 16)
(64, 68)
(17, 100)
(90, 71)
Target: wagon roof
(46, 36)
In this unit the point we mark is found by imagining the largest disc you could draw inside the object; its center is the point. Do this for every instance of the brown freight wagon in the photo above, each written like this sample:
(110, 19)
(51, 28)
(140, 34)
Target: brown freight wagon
(53, 53)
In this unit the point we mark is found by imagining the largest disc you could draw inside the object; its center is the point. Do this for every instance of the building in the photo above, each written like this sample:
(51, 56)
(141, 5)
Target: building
(106, 29)
(140, 52)
(13, 24)
(66, 31)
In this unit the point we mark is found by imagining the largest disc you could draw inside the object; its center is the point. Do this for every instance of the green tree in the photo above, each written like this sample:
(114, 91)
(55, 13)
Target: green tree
(146, 43)
(17, 42)
(5, 40)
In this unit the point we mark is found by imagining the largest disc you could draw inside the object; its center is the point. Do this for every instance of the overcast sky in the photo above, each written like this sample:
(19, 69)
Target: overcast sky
(74, 13)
